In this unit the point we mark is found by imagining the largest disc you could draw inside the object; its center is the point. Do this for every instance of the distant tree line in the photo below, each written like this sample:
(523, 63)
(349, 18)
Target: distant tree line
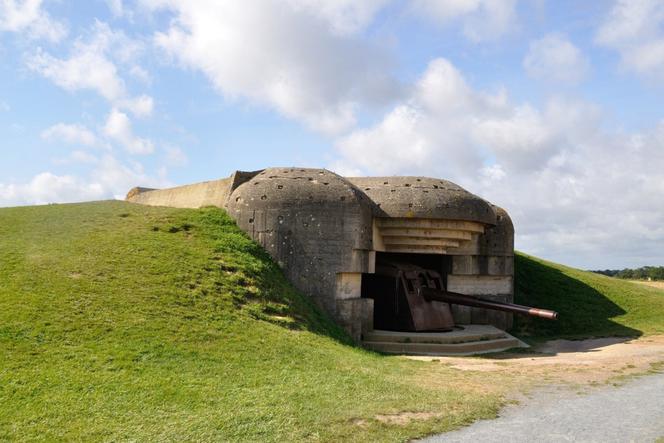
(644, 273)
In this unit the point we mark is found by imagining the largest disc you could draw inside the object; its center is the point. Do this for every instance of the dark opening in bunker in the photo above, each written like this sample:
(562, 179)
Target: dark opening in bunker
(393, 288)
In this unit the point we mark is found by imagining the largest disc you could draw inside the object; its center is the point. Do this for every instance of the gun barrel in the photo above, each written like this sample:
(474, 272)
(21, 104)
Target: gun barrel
(430, 294)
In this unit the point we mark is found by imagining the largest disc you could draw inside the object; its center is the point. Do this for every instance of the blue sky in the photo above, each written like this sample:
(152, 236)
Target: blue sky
(552, 110)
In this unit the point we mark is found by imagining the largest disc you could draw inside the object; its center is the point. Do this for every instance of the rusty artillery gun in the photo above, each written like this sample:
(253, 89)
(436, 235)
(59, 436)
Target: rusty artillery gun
(408, 297)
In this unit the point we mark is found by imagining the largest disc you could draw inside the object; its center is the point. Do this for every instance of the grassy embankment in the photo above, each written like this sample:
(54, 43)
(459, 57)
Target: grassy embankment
(590, 305)
(123, 322)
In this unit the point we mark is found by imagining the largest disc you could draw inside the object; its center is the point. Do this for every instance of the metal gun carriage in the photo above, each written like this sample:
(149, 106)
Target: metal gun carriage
(412, 298)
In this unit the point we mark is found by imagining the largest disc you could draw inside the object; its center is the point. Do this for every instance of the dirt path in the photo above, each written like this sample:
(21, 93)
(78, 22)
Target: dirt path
(654, 284)
(575, 362)
(573, 391)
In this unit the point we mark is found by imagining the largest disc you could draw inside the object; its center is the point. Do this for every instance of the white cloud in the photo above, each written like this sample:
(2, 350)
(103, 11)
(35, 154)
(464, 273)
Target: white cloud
(4, 106)
(523, 132)
(76, 73)
(28, 16)
(480, 20)
(577, 191)
(446, 127)
(70, 133)
(343, 16)
(83, 157)
(116, 7)
(140, 74)
(49, 188)
(77, 156)
(631, 20)
(118, 178)
(140, 106)
(597, 204)
(446, 119)
(398, 140)
(109, 178)
(91, 66)
(635, 28)
(175, 156)
(295, 57)
(555, 58)
(118, 127)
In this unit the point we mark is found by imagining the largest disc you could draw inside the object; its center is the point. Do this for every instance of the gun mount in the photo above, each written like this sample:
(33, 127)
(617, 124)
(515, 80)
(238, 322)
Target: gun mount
(412, 298)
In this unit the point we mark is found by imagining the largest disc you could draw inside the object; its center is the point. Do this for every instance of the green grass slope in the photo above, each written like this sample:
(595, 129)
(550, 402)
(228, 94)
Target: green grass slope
(590, 305)
(125, 322)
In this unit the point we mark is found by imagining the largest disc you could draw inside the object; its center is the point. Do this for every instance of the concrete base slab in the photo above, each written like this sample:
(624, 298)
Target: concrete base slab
(466, 340)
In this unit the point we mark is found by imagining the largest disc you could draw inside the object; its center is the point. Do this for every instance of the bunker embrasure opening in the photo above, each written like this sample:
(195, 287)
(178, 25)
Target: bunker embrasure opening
(393, 288)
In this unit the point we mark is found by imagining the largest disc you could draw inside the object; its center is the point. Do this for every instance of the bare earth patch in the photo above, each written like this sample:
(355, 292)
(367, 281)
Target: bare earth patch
(566, 361)
(403, 418)
(653, 284)
(399, 419)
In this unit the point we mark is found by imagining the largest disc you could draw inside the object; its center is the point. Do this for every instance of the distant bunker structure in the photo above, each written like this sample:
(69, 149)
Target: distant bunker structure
(364, 247)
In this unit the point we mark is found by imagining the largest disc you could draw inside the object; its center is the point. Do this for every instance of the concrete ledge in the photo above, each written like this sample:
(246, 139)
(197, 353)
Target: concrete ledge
(469, 333)
(472, 340)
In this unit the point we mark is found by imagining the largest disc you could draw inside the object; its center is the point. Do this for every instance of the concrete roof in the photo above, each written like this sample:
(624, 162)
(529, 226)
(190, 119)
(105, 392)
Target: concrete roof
(424, 197)
(295, 187)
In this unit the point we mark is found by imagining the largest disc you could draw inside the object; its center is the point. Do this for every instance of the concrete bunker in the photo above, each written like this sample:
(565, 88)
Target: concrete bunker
(330, 234)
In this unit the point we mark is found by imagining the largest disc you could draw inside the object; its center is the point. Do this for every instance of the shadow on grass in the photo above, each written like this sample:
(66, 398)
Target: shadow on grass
(558, 346)
(584, 312)
(554, 347)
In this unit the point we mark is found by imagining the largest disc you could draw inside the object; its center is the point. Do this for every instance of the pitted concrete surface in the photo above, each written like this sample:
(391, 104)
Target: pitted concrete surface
(630, 413)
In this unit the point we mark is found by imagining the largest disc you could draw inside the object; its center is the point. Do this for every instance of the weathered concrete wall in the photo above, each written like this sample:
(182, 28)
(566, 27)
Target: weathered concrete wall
(197, 195)
(489, 256)
(316, 225)
(212, 193)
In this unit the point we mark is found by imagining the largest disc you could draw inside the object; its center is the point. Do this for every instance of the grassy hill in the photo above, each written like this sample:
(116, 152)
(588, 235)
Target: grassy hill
(124, 322)
(590, 305)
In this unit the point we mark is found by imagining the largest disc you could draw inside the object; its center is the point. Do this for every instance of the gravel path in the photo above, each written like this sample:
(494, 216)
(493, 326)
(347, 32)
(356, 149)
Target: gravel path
(630, 413)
